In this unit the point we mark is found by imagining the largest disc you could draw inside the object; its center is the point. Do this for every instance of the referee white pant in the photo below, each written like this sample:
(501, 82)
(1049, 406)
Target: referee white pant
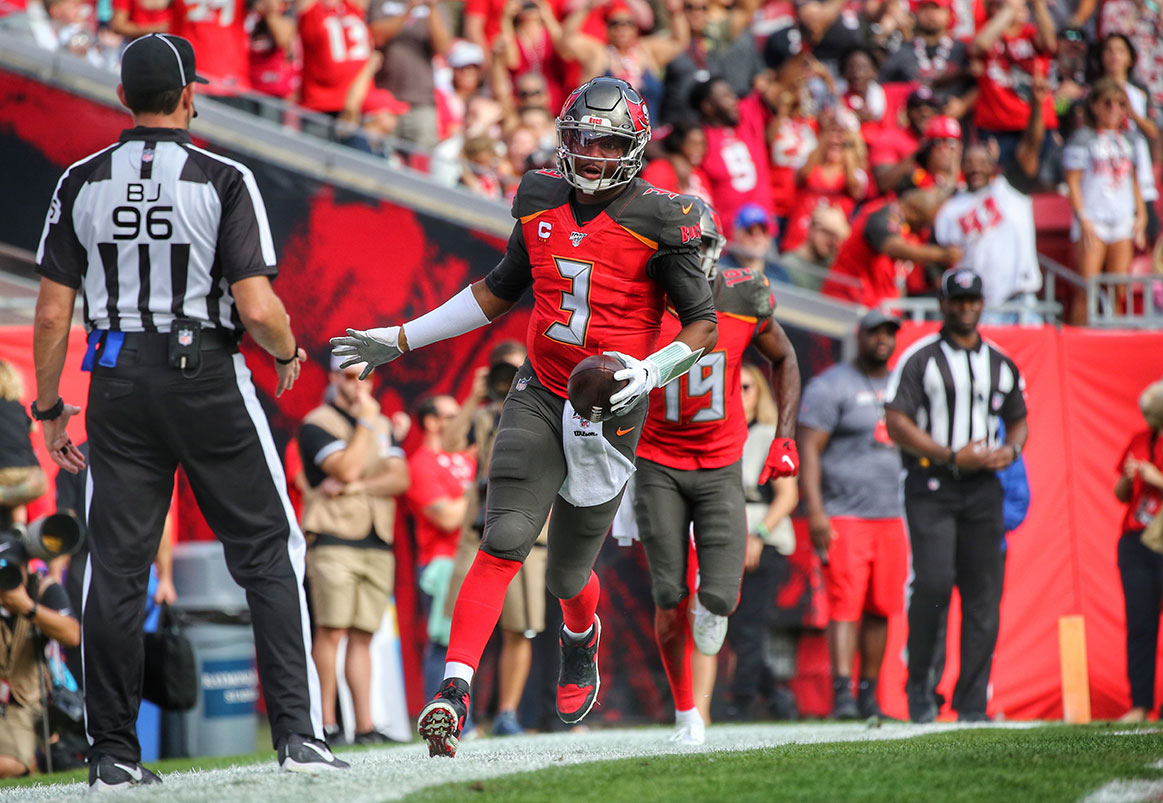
(143, 419)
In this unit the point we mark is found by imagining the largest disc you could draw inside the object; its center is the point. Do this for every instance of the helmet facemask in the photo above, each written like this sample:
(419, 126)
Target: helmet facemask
(604, 123)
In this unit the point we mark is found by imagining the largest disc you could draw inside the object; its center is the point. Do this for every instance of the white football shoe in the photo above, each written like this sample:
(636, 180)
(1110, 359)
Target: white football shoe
(689, 728)
(708, 629)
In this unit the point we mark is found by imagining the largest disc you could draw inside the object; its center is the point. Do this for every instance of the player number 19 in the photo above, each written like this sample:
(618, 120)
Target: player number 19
(707, 378)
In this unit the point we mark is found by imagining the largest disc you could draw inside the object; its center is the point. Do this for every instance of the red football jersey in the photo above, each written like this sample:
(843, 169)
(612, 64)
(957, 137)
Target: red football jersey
(591, 291)
(336, 45)
(737, 165)
(873, 272)
(217, 30)
(145, 12)
(1005, 84)
(697, 421)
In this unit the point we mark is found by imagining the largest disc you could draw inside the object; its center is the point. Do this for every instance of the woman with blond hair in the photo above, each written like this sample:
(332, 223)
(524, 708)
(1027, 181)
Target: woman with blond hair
(1140, 488)
(1110, 217)
(21, 478)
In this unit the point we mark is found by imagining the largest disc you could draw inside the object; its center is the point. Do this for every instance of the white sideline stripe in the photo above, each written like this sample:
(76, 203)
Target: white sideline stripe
(296, 544)
(1126, 792)
(392, 773)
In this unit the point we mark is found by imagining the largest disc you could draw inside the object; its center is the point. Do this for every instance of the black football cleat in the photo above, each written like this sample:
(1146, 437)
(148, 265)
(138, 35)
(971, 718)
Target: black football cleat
(578, 680)
(441, 721)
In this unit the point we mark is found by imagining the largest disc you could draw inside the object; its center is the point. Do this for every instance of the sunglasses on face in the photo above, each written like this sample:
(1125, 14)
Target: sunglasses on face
(620, 23)
(530, 93)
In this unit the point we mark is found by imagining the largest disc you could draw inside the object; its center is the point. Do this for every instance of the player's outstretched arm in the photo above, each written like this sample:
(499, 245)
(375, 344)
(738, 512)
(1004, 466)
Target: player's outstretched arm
(471, 308)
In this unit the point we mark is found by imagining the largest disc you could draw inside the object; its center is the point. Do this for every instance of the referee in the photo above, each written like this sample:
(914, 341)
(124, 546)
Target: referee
(948, 394)
(170, 247)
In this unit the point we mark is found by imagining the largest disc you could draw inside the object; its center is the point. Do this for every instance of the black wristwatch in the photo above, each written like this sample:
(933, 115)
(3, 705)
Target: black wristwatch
(291, 359)
(32, 613)
(51, 414)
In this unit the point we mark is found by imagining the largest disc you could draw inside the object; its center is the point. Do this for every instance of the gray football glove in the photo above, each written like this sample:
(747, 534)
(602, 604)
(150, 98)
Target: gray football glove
(374, 347)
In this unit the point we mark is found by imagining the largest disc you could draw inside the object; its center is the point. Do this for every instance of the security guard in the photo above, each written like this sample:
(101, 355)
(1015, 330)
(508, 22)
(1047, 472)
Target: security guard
(171, 249)
(948, 394)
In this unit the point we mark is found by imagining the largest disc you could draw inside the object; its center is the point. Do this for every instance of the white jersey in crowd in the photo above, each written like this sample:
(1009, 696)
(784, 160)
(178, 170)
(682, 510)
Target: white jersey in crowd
(1107, 160)
(994, 228)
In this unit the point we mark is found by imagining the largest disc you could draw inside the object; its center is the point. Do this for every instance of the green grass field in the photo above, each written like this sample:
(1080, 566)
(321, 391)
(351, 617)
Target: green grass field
(1044, 764)
(804, 762)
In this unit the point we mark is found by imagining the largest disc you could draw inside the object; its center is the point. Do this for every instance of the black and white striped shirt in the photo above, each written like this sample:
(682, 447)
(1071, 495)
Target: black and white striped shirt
(955, 394)
(152, 229)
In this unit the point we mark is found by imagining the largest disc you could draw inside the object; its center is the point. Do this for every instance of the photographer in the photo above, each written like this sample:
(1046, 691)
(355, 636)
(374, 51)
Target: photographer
(29, 606)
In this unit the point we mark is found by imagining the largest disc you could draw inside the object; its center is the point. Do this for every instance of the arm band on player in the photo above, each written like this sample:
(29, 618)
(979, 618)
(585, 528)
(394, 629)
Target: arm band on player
(673, 361)
(459, 314)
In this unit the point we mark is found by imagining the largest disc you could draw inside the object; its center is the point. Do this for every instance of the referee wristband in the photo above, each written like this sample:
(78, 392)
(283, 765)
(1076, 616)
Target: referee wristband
(294, 356)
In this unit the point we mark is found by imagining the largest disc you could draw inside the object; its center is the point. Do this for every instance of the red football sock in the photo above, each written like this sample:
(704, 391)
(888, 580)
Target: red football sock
(578, 612)
(672, 629)
(478, 607)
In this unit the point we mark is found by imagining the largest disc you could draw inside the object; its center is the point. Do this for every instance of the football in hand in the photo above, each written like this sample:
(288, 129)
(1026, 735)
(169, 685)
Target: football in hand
(592, 383)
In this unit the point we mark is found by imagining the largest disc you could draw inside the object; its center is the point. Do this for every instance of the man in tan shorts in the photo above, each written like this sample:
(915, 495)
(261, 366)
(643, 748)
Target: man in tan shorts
(354, 471)
(523, 615)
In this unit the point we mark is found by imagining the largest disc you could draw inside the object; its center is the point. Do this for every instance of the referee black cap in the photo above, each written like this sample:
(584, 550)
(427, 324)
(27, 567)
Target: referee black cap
(960, 282)
(158, 62)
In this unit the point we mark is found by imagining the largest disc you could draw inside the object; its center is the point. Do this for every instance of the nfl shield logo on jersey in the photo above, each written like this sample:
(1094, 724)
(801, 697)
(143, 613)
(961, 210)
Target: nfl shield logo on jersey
(576, 237)
(185, 337)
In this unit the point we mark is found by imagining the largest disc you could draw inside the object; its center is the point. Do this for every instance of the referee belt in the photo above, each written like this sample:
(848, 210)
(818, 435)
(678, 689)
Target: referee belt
(105, 345)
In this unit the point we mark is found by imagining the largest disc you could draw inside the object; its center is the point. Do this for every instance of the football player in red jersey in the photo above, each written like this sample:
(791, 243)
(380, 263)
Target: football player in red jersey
(605, 253)
(689, 472)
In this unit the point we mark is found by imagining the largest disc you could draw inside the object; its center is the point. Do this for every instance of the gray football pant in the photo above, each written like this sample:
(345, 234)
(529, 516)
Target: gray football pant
(526, 472)
(667, 503)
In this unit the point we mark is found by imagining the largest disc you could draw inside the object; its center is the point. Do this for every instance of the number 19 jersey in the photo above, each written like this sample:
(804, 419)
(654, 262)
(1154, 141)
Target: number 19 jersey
(697, 421)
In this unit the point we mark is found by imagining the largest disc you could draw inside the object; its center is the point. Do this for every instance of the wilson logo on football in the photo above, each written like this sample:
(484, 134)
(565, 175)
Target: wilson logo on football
(688, 233)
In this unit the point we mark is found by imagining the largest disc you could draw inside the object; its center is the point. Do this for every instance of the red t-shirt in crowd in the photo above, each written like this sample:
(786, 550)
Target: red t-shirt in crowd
(436, 476)
(820, 188)
(860, 257)
(661, 174)
(217, 30)
(1007, 79)
(273, 70)
(149, 12)
(737, 164)
(1146, 500)
(336, 45)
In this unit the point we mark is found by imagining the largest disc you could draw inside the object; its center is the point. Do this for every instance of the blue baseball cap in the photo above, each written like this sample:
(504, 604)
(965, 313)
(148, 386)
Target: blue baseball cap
(750, 214)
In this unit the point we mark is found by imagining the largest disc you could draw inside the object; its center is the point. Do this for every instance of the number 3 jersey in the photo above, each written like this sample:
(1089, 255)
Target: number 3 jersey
(601, 285)
(697, 420)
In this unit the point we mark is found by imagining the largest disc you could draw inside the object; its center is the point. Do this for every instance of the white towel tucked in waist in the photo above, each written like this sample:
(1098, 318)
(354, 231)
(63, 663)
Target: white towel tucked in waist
(595, 470)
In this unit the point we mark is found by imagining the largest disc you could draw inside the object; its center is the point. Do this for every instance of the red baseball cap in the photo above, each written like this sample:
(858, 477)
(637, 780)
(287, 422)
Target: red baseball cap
(381, 100)
(943, 128)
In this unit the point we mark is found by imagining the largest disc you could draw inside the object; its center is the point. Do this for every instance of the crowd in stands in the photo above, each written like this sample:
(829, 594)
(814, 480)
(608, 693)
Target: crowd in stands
(789, 107)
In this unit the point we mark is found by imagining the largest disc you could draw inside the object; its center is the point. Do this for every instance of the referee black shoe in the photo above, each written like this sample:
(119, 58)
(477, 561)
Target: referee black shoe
(107, 774)
(299, 753)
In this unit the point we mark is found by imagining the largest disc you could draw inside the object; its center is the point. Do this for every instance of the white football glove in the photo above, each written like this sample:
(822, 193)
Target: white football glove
(374, 347)
(642, 376)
